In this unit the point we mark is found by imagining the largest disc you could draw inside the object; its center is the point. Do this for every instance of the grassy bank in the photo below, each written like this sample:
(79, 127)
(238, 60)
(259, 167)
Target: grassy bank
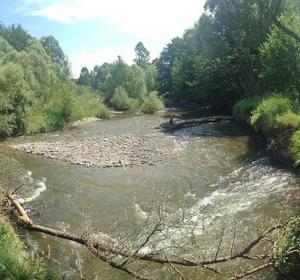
(277, 119)
(15, 263)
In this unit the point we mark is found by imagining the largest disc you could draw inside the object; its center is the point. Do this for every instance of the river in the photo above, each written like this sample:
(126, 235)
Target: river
(215, 183)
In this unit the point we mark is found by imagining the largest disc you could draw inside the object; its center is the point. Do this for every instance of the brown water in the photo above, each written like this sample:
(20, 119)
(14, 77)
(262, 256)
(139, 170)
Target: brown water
(219, 180)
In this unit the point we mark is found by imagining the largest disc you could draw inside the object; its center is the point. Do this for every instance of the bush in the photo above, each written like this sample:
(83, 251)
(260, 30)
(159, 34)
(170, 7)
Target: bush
(134, 105)
(89, 106)
(120, 100)
(152, 103)
(265, 116)
(14, 264)
(58, 109)
(35, 120)
(7, 125)
(288, 264)
(243, 109)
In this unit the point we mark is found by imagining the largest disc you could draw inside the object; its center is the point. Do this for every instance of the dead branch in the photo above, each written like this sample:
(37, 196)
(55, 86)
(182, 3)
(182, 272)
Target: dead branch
(108, 252)
(252, 271)
(181, 277)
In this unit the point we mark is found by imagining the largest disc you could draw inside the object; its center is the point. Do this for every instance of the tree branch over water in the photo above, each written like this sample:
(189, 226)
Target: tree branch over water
(123, 257)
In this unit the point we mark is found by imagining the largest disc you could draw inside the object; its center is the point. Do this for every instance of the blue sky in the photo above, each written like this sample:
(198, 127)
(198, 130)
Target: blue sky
(97, 31)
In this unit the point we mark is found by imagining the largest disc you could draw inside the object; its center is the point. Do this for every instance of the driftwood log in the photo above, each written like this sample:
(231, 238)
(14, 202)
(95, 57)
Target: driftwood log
(173, 125)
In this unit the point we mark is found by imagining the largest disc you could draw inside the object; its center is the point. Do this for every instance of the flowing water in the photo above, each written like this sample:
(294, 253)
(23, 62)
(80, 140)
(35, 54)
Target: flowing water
(219, 184)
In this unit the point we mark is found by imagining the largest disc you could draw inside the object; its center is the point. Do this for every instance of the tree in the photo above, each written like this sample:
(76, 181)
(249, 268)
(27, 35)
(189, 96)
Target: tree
(280, 60)
(142, 55)
(53, 49)
(151, 77)
(137, 85)
(85, 77)
(15, 35)
(12, 99)
(120, 99)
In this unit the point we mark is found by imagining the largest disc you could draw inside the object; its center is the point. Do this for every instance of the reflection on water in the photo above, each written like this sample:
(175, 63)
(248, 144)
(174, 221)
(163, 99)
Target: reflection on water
(215, 182)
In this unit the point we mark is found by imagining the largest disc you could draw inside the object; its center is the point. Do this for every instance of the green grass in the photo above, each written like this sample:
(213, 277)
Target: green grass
(15, 264)
(265, 117)
(276, 118)
(243, 109)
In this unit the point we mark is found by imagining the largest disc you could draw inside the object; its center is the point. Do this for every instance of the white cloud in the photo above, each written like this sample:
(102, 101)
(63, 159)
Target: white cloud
(140, 18)
(155, 22)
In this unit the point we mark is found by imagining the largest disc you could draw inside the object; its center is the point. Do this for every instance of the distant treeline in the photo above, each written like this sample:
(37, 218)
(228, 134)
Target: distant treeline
(124, 87)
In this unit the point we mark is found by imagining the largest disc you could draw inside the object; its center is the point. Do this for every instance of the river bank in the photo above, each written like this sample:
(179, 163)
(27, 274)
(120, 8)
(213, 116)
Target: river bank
(207, 174)
(16, 263)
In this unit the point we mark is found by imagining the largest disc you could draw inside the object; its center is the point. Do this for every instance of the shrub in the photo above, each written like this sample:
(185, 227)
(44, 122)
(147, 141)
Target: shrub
(152, 103)
(265, 116)
(7, 125)
(89, 106)
(35, 120)
(59, 109)
(134, 105)
(120, 100)
(243, 109)
(288, 264)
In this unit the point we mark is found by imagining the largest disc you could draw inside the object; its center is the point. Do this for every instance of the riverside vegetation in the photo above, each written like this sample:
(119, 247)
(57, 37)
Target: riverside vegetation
(37, 93)
(241, 57)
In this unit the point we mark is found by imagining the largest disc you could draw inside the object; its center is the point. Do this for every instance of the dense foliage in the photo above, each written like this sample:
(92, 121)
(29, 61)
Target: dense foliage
(237, 49)
(36, 93)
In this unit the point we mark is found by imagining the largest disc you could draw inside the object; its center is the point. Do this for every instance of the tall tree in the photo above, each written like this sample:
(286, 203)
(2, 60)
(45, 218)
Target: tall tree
(53, 49)
(142, 55)
(15, 35)
(85, 77)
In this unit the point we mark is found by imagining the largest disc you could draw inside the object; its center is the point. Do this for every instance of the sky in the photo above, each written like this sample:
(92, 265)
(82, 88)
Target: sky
(96, 31)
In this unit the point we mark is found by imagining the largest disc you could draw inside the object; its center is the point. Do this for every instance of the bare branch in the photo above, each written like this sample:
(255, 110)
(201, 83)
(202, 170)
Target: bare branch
(250, 272)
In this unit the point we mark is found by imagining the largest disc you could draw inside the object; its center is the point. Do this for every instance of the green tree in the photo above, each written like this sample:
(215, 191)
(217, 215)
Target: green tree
(85, 78)
(57, 55)
(120, 99)
(137, 85)
(142, 55)
(15, 35)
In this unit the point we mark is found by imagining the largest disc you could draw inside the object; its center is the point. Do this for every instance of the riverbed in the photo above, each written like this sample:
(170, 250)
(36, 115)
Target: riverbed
(213, 176)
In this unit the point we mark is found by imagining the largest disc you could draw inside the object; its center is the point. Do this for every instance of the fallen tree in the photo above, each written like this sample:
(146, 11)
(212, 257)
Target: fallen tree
(121, 256)
(174, 125)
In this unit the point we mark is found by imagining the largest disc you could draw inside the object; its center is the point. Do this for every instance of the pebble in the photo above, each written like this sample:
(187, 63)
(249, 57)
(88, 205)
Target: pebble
(117, 151)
